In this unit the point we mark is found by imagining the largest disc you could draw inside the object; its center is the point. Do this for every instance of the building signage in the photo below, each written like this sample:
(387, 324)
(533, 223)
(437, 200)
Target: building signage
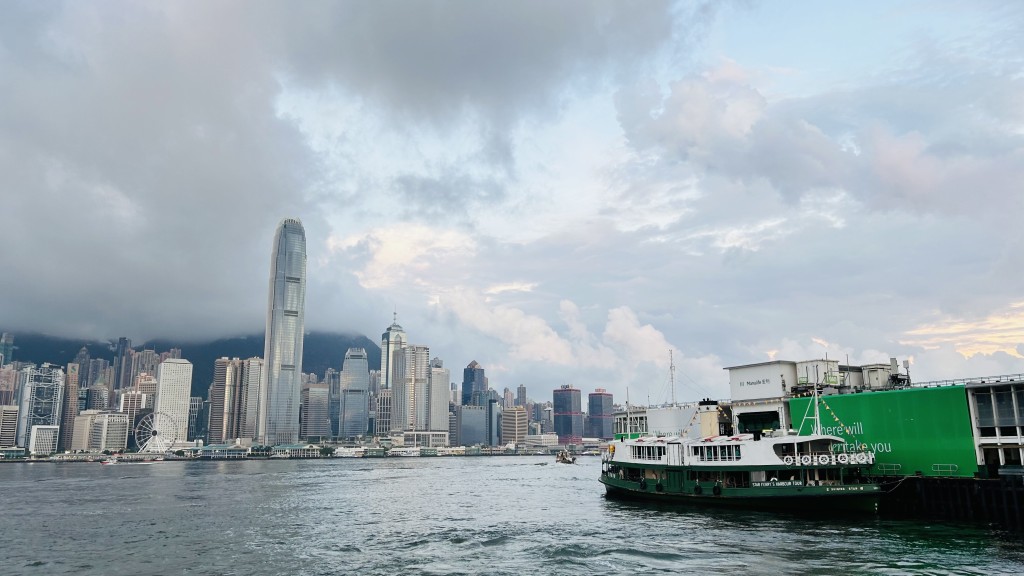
(758, 382)
(830, 459)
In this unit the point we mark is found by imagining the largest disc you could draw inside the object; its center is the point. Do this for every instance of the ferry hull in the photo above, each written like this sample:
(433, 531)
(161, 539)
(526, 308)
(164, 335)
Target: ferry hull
(822, 499)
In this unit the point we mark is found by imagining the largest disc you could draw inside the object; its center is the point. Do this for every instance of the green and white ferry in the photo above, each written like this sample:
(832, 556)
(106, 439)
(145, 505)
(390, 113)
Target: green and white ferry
(752, 470)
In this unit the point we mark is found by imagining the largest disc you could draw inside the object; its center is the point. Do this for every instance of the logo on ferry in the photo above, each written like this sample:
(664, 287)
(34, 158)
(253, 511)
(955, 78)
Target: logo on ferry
(759, 382)
(830, 459)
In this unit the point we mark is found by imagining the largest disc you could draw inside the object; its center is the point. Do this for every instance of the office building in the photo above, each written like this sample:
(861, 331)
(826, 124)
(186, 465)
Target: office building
(438, 397)
(521, 396)
(474, 385)
(601, 415)
(314, 417)
(122, 365)
(280, 393)
(8, 426)
(353, 396)
(392, 341)
(42, 393)
(69, 407)
(195, 428)
(174, 384)
(42, 440)
(471, 425)
(568, 415)
(249, 397)
(513, 425)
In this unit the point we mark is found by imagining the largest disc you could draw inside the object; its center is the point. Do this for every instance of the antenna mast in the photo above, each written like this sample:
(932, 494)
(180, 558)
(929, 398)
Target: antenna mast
(672, 375)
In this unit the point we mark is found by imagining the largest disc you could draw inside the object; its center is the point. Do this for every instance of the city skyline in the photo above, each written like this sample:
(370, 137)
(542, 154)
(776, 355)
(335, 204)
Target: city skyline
(733, 181)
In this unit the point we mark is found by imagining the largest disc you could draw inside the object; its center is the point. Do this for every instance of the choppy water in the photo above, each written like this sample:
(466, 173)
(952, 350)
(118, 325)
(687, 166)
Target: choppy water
(485, 515)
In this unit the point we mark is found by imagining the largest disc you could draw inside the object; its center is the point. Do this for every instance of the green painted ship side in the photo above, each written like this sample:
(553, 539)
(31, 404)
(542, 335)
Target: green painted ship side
(918, 431)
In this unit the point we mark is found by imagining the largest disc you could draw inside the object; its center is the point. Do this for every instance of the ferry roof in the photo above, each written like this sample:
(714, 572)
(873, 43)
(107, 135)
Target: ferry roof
(761, 364)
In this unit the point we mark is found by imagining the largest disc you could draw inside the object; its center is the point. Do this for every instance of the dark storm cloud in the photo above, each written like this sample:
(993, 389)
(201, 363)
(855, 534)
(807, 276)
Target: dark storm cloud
(144, 165)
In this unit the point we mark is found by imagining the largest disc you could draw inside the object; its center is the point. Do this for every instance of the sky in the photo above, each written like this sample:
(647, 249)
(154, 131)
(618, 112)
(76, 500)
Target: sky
(564, 191)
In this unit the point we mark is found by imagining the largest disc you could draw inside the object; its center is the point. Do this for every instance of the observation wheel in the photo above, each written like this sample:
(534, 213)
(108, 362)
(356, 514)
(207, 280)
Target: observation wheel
(156, 433)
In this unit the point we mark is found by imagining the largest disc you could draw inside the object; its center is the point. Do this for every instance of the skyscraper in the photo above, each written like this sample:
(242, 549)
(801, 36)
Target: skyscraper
(439, 396)
(225, 402)
(568, 415)
(173, 384)
(280, 393)
(521, 396)
(392, 341)
(41, 394)
(315, 420)
(474, 385)
(122, 365)
(6, 348)
(353, 404)
(249, 396)
(601, 413)
(69, 407)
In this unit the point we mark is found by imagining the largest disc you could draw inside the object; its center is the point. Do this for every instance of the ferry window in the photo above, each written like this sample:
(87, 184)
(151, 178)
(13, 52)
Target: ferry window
(737, 452)
(985, 416)
(1004, 407)
(696, 450)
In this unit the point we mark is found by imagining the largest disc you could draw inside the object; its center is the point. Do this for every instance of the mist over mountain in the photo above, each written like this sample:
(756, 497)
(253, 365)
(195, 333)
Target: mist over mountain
(321, 350)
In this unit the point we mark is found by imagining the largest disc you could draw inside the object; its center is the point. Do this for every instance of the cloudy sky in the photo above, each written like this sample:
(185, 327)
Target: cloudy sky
(562, 191)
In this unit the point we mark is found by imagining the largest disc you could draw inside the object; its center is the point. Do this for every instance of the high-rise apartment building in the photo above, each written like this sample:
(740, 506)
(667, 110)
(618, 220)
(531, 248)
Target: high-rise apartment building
(601, 415)
(508, 400)
(568, 415)
(144, 362)
(173, 387)
(521, 396)
(474, 385)
(280, 393)
(42, 393)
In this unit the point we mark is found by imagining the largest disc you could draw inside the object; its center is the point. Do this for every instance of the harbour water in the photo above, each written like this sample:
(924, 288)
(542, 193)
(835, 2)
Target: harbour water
(454, 515)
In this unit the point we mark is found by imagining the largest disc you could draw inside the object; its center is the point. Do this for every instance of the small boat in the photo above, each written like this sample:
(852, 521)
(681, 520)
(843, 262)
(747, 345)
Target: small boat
(564, 457)
(110, 461)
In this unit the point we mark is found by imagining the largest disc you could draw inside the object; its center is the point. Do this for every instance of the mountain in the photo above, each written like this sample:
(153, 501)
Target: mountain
(321, 350)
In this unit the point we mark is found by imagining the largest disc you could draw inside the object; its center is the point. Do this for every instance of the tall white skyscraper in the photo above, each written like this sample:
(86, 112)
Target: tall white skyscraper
(391, 344)
(280, 394)
(438, 396)
(173, 389)
(417, 392)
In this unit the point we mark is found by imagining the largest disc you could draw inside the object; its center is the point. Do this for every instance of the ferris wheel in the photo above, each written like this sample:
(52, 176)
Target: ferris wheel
(156, 433)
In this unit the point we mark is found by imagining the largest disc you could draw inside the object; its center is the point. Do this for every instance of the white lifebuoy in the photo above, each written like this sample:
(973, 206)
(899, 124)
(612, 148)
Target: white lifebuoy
(843, 458)
(788, 460)
(805, 460)
(862, 458)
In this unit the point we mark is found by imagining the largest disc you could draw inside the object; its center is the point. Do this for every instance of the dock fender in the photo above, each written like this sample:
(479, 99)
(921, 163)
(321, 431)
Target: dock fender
(717, 490)
(643, 484)
(697, 489)
(658, 487)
